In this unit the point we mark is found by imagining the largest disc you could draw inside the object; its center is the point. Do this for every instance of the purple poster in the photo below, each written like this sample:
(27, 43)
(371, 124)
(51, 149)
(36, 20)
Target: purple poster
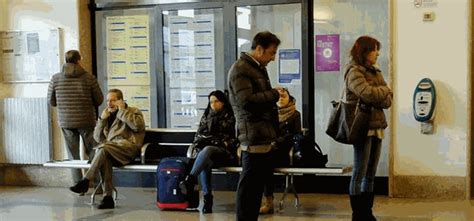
(327, 52)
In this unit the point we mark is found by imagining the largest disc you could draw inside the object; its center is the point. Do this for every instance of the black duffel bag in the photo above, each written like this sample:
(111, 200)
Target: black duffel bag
(307, 153)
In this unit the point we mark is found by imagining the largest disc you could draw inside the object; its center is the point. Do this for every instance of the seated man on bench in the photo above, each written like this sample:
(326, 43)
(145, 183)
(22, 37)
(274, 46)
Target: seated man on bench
(120, 132)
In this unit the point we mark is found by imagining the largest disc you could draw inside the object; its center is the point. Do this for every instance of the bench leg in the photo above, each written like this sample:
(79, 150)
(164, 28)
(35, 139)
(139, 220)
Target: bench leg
(297, 198)
(114, 194)
(95, 191)
(282, 200)
(289, 186)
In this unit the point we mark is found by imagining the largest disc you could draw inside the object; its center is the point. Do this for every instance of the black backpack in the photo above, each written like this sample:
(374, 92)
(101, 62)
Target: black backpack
(307, 153)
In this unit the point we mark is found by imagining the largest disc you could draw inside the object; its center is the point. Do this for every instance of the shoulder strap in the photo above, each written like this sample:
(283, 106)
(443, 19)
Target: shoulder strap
(343, 98)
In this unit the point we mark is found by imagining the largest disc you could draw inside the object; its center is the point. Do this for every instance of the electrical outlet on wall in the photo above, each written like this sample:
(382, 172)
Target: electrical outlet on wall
(428, 16)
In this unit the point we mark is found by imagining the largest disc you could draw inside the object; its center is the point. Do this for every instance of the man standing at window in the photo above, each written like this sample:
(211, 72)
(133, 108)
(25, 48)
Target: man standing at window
(76, 94)
(254, 103)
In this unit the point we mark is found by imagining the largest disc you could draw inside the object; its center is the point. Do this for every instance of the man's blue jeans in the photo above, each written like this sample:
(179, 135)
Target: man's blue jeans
(366, 159)
(203, 166)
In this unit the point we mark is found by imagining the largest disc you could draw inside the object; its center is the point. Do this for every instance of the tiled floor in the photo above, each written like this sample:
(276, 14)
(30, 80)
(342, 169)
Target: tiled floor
(18, 203)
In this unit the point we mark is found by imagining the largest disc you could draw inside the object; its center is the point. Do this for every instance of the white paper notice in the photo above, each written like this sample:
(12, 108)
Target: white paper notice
(187, 107)
(192, 68)
(290, 66)
(29, 55)
(139, 97)
(128, 52)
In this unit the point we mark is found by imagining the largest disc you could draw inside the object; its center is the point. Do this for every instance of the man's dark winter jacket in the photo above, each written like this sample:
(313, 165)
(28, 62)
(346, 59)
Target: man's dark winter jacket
(253, 101)
(76, 94)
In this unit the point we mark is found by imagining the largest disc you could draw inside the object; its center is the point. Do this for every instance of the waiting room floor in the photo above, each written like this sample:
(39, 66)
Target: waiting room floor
(34, 203)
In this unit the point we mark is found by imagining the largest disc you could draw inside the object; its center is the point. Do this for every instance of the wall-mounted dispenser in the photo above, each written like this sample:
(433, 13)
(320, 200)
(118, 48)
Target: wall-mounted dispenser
(424, 104)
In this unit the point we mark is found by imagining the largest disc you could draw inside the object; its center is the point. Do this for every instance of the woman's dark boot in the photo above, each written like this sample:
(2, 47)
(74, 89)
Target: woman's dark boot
(369, 202)
(358, 206)
(208, 201)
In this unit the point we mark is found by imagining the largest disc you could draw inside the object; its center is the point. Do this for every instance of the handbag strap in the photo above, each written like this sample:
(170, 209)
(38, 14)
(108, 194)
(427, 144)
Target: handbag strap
(345, 88)
(316, 146)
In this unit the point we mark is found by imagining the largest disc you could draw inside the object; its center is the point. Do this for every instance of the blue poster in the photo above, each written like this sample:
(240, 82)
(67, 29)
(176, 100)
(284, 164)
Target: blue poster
(289, 65)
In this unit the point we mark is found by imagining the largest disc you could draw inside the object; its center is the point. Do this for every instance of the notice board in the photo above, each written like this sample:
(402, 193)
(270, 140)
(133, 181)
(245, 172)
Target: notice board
(128, 59)
(29, 56)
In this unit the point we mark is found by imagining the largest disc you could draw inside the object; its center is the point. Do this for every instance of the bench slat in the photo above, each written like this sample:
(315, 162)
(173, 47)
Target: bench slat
(82, 164)
(174, 144)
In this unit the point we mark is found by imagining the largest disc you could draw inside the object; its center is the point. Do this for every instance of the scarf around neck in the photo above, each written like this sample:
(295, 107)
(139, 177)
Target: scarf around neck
(285, 112)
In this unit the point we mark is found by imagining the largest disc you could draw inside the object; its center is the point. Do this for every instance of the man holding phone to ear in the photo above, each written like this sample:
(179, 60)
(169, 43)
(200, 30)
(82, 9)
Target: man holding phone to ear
(120, 131)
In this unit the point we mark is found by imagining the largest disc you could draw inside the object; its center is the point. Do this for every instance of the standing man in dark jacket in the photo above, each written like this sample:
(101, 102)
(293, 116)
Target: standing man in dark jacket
(76, 94)
(254, 103)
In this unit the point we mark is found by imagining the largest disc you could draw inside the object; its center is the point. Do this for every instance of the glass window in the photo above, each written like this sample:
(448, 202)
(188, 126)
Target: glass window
(194, 65)
(337, 24)
(285, 22)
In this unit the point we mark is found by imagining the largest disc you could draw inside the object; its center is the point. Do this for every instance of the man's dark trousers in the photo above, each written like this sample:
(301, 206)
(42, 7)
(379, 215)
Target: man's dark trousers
(256, 168)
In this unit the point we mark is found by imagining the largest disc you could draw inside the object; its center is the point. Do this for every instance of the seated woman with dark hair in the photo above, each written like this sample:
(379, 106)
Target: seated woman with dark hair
(215, 140)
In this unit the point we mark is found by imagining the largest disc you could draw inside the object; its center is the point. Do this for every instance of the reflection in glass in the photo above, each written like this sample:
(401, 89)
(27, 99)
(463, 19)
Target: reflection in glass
(284, 21)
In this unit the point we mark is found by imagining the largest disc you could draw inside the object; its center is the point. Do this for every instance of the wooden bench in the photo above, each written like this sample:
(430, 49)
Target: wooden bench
(160, 143)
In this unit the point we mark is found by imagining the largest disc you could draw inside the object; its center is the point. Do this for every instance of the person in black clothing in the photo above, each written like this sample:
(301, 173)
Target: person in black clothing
(290, 125)
(216, 142)
(254, 102)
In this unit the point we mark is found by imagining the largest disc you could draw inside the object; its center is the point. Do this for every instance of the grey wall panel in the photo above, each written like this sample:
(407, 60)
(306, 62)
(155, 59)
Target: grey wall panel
(25, 134)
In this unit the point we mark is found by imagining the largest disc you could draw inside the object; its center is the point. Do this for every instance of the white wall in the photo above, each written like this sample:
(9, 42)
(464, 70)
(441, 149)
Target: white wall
(438, 50)
(36, 15)
(3, 9)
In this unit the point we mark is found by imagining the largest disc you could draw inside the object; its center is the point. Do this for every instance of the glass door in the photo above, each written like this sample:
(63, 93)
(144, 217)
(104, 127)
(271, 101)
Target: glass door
(193, 63)
(337, 24)
(284, 20)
